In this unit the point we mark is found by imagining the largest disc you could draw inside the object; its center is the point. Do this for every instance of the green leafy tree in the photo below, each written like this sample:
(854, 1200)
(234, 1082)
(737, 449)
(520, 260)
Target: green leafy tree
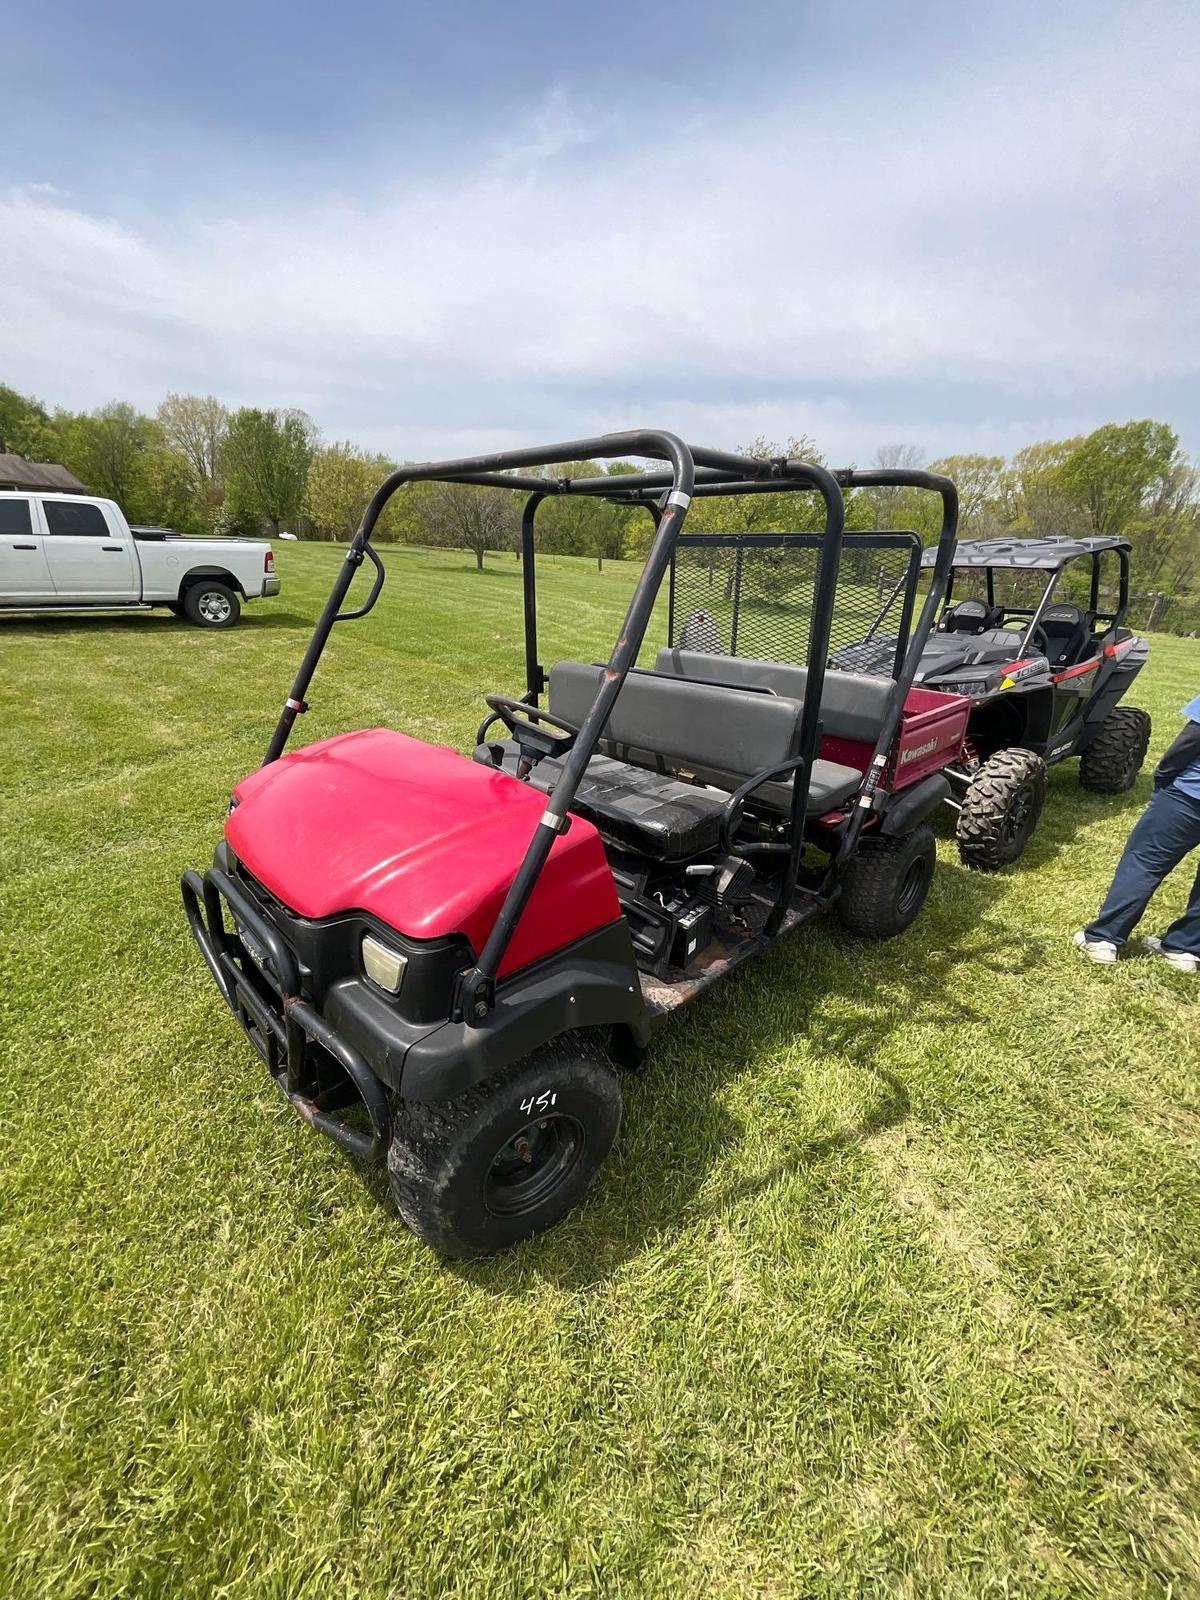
(25, 426)
(194, 427)
(1041, 502)
(105, 448)
(165, 493)
(1115, 471)
(583, 525)
(266, 457)
(979, 480)
(341, 481)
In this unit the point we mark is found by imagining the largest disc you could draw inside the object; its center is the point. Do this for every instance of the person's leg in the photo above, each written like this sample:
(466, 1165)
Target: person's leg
(1167, 829)
(1184, 933)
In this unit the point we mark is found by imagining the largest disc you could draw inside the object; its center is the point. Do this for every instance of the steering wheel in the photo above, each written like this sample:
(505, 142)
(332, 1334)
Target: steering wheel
(524, 722)
(1037, 638)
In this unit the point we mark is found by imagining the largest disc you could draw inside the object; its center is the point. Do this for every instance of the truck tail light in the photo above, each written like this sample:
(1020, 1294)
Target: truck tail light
(269, 562)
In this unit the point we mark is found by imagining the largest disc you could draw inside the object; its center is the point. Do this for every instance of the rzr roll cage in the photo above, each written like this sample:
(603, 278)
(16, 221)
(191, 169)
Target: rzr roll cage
(666, 494)
(1114, 619)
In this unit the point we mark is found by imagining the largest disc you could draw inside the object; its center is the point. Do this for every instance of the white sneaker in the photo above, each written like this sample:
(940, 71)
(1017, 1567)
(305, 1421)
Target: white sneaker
(1181, 960)
(1101, 951)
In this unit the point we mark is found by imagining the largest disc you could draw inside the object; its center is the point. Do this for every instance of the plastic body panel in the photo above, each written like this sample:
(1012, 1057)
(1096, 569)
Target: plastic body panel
(418, 837)
(930, 737)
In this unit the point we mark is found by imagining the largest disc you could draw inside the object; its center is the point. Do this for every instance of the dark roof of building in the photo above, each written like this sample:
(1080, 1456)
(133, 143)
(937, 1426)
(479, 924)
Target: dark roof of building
(1045, 555)
(22, 474)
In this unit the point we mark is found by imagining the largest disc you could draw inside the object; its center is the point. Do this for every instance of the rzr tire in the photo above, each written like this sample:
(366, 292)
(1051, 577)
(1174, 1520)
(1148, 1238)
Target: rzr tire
(1001, 809)
(1112, 761)
(885, 884)
(455, 1176)
(210, 604)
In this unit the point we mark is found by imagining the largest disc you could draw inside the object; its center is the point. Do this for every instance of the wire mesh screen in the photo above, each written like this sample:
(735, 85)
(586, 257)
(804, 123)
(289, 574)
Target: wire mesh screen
(754, 595)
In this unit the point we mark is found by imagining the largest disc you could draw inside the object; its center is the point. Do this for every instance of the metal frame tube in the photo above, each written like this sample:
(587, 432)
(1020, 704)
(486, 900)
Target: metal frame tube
(809, 741)
(477, 986)
(535, 678)
(489, 470)
(705, 472)
(939, 582)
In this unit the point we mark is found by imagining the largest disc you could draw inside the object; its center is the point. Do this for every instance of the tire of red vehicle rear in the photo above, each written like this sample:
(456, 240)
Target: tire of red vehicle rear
(1112, 761)
(210, 604)
(1001, 809)
(508, 1158)
(886, 883)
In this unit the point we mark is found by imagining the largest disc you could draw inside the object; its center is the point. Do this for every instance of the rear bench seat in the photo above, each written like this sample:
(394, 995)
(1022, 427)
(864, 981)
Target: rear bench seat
(853, 704)
(661, 723)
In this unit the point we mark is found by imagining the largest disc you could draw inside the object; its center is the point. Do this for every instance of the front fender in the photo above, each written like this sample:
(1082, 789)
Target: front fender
(592, 983)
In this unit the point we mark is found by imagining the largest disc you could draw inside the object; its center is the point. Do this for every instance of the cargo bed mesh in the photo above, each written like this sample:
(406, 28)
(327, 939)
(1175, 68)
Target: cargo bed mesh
(752, 595)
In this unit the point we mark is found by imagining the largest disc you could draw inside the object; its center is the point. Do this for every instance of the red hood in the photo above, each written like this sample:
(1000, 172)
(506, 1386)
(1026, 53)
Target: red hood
(418, 836)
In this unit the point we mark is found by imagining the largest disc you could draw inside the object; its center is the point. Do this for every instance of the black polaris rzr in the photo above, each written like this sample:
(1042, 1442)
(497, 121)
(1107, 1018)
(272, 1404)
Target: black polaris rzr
(1025, 635)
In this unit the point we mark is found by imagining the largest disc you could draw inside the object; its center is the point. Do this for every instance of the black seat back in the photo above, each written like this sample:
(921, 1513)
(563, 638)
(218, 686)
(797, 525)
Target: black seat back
(1067, 629)
(972, 616)
(853, 704)
(695, 725)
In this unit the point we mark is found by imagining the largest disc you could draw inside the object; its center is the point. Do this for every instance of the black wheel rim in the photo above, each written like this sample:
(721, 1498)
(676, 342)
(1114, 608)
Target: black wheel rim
(911, 886)
(1019, 817)
(532, 1165)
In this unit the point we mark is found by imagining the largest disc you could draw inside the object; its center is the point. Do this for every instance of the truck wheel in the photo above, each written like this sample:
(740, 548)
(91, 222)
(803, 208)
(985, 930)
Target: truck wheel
(1112, 761)
(1001, 809)
(508, 1158)
(210, 604)
(885, 884)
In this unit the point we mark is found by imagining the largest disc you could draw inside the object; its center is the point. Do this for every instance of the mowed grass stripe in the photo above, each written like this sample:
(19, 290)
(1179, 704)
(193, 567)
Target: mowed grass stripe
(890, 1287)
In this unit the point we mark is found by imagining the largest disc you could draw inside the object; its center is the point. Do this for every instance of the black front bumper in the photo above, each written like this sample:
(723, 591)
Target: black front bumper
(328, 1038)
(259, 979)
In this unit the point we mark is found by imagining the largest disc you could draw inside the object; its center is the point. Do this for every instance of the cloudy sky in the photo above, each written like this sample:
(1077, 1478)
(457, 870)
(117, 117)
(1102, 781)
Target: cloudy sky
(441, 227)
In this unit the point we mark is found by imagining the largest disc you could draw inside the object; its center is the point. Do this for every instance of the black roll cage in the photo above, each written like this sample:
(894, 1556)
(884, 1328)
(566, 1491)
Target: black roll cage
(666, 494)
(1114, 619)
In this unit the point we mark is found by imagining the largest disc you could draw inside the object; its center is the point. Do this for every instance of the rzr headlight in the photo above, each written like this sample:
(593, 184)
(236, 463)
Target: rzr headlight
(968, 686)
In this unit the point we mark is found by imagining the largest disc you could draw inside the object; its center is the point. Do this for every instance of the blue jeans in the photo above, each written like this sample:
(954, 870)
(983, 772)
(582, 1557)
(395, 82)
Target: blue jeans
(1167, 829)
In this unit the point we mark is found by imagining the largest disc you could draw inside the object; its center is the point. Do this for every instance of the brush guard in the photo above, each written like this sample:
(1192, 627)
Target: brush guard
(259, 981)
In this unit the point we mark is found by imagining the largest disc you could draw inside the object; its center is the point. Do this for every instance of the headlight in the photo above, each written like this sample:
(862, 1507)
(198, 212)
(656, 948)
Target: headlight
(382, 965)
(968, 686)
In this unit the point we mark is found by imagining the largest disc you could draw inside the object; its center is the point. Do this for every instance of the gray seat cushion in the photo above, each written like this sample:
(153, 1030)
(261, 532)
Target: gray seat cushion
(679, 724)
(853, 704)
(662, 725)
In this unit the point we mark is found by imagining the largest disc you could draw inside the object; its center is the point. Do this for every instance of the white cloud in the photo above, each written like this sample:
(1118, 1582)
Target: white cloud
(1021, 240)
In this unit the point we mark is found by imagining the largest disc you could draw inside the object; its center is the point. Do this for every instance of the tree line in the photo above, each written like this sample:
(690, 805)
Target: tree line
(199, 467)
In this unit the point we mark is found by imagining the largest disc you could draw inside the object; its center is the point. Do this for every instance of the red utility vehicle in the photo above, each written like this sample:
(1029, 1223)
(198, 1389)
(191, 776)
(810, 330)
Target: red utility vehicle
(471, 946)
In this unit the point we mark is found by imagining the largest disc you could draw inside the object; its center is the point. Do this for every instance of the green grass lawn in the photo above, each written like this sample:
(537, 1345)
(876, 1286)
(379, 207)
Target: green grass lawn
(891, 1288)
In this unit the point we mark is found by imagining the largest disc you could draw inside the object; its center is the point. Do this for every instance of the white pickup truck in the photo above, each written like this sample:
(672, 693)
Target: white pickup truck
(68, 551)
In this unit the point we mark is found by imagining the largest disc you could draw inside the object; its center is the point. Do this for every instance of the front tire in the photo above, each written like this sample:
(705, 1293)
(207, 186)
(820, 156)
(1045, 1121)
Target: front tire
(1001, 809)
(210, 604)
(1112, 761)
(886, 883)
(509, 1157)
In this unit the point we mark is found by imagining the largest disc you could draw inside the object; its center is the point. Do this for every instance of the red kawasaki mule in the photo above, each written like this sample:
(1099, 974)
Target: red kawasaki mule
(472, 945)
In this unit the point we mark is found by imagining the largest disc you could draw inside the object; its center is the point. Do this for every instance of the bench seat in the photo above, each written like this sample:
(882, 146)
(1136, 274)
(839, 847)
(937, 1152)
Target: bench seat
(661, 815)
